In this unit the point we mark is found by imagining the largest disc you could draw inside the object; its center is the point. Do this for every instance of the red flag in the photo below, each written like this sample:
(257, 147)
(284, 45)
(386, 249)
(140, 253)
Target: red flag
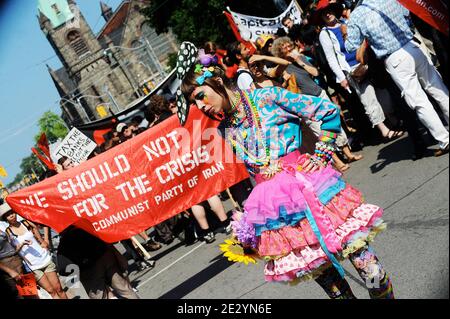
(137, 184)
(433, 12)
(44, 159)
(235, 30)
(43, 145)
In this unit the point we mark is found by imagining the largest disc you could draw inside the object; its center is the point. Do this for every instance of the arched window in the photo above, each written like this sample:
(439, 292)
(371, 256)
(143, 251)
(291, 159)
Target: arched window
(77, 43)
(161, 44)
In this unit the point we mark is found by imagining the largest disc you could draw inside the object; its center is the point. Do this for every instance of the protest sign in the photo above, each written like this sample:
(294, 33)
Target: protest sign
(137, 184)
(252, 27)
(75, 146)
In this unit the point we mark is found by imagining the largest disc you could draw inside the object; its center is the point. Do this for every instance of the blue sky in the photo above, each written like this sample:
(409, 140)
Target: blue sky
(26, 89)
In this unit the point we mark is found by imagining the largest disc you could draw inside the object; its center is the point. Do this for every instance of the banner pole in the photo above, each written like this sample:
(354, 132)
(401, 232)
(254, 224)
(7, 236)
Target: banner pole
(144, 251)
(235, 204)
(299, 7)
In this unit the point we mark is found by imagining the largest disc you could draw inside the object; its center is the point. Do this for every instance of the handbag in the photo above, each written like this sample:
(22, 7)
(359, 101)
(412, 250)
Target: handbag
(27, 285)
(360, 73)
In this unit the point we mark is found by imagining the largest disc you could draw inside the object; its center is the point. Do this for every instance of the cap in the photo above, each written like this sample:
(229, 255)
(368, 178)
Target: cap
(120, 127)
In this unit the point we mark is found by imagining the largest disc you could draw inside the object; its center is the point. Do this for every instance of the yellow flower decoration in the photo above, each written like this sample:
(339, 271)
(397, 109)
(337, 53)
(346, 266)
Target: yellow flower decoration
(234, 251)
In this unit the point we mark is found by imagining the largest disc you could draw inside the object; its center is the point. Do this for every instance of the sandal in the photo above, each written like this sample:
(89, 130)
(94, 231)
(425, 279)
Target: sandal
(393, 135)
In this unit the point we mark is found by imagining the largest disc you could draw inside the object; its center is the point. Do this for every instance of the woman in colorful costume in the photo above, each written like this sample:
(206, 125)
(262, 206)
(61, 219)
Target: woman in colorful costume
(301, 217)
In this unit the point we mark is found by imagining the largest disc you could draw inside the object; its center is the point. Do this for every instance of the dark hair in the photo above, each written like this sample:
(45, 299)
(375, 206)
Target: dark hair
(308, 34)
(62, 159)
(281, 32)
(233, 50)
(137, 119)
(159, 104)
(189, 83)
(210, 47)
(149, 114)
(285, 19)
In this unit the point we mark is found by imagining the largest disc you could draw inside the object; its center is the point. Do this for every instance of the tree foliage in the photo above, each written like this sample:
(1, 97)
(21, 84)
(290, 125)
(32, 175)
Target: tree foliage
(199, 21)
(53, 127)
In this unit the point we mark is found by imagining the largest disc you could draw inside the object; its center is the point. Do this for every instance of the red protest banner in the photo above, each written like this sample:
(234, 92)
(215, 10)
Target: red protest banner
(433, 12)
(137, 184)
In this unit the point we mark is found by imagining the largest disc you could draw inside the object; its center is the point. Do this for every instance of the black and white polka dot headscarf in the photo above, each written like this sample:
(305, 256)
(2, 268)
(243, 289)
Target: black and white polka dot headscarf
(187, 56)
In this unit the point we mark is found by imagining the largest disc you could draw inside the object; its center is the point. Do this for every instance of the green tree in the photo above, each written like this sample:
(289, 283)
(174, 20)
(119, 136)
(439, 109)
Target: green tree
(199, 21)
(53, 127)
(28, 166)
(196, 21)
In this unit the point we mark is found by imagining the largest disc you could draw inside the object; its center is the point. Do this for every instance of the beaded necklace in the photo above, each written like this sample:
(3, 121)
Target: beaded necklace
(254, 121)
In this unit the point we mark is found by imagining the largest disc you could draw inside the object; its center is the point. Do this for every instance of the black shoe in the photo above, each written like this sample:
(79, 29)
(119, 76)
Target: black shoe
(208, 238)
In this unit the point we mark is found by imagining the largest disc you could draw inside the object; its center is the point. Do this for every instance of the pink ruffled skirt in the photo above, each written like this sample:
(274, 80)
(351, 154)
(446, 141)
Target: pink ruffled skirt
(279, 213)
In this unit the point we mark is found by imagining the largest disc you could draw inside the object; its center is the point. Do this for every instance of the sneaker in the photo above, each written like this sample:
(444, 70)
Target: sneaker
(209, 238)
(228, 229)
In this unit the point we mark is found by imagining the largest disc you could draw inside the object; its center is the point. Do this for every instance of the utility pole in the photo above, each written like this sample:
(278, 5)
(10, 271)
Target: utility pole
(153, 57)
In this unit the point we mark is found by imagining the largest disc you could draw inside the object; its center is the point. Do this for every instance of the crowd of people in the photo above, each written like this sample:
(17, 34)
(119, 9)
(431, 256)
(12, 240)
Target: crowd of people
(379, 80)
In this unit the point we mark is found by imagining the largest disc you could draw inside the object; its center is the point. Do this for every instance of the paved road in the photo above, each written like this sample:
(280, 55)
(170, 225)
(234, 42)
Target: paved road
(414, 249)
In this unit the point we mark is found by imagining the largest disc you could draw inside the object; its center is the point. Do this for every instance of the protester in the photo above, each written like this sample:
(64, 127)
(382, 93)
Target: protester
(11, 264)
(283, 241)
(101, 265)
(125, 132)
(66, 163)
(199, 213)
(29, 244)
(303, 72)
(386, 26)
(344, 63)
(239, 54)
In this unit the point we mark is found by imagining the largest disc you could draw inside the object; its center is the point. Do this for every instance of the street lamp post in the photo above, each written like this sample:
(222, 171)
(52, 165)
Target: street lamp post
(129, 77)
(78, 106)
(152, 55)
(106, 90)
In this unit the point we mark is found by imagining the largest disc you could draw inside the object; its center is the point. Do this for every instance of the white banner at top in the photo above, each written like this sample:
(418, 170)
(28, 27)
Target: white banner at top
(251, 27)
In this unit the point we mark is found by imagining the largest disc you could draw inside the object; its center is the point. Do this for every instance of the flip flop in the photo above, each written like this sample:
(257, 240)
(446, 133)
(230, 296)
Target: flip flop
(395, 135)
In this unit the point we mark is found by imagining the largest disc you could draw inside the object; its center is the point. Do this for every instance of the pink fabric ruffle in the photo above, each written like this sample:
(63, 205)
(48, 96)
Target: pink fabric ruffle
(282, 241)
(283, 190)
(309, 258)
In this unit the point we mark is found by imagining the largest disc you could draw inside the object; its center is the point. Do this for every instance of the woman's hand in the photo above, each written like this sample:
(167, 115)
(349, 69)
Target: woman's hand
(310, 166)
(255, 58)
(344, 84)
(14, 275)
(25, 243)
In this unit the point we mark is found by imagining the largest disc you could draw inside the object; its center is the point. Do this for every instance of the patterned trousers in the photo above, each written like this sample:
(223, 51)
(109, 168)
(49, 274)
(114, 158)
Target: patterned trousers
(369, 269)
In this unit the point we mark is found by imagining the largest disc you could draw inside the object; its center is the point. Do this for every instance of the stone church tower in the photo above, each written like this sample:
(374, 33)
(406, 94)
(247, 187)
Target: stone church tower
(107, 72)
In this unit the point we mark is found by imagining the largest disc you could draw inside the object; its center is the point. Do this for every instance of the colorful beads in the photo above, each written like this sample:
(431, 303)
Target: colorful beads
(254, 121)
(324, 152)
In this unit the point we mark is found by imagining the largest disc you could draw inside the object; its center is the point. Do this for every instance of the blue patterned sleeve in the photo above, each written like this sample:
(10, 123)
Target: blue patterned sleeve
(355, 36)
(310, 107)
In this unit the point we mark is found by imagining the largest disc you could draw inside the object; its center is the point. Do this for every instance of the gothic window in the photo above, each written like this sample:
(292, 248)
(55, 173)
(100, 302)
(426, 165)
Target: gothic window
(55, 8)
(77, 43)
(161, 44)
